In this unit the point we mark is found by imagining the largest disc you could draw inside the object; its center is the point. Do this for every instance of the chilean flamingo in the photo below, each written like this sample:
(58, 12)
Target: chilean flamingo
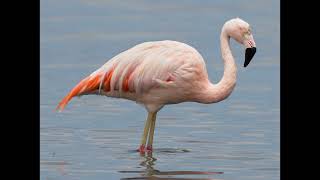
(166, 72)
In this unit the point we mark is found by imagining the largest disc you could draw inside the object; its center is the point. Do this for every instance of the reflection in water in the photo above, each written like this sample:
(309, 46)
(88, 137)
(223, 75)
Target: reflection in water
(152, 174)
(58, 165)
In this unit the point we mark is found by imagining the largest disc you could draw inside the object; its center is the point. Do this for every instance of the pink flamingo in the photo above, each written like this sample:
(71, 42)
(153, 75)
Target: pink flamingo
(166, 72)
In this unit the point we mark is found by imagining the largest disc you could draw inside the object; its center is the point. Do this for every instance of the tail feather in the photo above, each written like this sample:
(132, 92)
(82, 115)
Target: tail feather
(85, 86)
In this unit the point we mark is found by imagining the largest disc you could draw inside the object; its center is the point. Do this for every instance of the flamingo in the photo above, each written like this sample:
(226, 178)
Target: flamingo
(158, 73)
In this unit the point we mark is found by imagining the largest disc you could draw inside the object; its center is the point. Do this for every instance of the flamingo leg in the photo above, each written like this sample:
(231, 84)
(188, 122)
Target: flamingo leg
(145, 133)
(151, 132)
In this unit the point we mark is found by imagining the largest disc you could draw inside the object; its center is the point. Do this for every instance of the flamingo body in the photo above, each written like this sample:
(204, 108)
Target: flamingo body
(151, 73)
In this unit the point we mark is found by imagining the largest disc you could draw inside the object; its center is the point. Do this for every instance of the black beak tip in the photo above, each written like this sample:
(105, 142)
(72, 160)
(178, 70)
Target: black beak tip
(250, 52)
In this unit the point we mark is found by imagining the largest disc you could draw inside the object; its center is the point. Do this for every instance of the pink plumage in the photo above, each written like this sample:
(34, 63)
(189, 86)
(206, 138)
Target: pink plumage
(166, 72)
(151, 69)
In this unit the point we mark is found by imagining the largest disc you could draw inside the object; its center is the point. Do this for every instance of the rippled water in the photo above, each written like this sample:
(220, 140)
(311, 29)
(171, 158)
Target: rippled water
(95, 137)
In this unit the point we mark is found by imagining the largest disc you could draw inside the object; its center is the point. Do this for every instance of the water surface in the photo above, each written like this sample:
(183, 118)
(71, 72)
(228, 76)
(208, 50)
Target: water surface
(95, 137)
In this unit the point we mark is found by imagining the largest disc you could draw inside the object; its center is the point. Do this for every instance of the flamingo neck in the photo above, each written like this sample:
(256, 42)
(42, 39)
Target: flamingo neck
(220, 91)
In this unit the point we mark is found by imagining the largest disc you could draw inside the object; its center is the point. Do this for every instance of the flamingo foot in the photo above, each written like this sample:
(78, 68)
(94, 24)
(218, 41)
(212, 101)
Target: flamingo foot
(141, 149)
(149, 148)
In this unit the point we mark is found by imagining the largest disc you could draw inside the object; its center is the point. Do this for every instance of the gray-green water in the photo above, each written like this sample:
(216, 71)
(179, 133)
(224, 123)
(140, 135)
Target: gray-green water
(95, 136)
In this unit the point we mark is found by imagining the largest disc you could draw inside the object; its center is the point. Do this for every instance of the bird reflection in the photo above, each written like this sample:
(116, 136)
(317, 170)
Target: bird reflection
(148, 162)
(153, 174)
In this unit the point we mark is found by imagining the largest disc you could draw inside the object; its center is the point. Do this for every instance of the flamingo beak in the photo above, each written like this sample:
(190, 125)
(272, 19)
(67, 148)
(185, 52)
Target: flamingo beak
(250, 49)
(249, 55)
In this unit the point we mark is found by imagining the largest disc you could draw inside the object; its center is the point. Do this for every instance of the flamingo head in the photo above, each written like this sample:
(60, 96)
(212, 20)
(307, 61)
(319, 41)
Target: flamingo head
(240, 31)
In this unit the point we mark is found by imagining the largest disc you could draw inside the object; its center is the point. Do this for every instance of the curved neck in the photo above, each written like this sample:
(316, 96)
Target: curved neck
(228, 81)
(220, 91)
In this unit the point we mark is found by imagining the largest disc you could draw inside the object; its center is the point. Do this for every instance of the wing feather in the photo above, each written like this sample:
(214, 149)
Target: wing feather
(148, 65)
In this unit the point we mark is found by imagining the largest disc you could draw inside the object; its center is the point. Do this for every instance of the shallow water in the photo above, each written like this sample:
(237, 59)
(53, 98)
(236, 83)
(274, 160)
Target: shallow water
(96, 137)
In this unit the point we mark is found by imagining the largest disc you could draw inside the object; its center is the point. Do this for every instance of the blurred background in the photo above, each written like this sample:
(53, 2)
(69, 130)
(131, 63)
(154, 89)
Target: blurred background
(95, 137)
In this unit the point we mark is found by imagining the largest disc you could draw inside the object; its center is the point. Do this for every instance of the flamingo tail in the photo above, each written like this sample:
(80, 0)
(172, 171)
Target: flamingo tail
(86, 86)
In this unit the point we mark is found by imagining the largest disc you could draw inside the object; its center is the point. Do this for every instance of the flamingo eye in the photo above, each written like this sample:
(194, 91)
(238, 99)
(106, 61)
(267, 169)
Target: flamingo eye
(246, 36)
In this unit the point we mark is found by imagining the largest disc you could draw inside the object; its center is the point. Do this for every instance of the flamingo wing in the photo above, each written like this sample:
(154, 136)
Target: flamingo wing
(135, 71)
